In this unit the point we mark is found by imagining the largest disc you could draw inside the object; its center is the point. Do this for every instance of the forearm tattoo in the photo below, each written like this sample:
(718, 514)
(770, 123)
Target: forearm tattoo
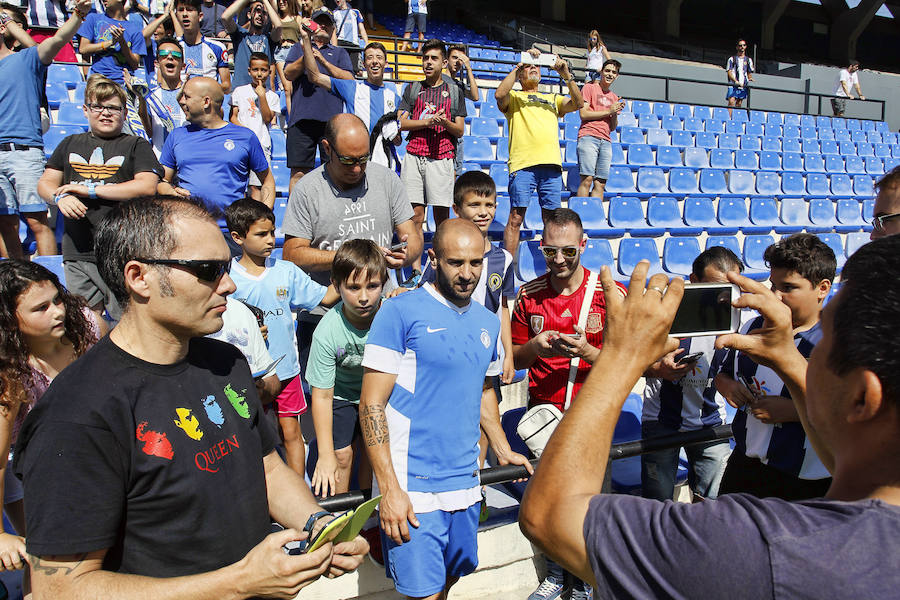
(374, 425)
(37, 564)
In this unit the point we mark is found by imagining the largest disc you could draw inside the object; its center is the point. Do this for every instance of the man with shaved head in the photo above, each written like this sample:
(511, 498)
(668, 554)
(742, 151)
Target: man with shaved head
(344, 199)
(429, 356)
(210, 158)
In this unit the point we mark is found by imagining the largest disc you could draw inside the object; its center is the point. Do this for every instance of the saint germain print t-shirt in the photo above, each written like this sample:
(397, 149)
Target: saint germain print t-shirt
(160, 464)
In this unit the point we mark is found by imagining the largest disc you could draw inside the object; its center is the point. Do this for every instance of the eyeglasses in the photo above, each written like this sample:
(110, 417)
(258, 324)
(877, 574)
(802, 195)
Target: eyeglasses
(567, 251)
(99, 108)
(878, 220)
(351, 161)
(172, 53)
(204, 270)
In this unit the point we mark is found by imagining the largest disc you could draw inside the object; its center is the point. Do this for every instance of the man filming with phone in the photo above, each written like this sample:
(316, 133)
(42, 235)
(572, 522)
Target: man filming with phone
(557, 333)
(680, 396)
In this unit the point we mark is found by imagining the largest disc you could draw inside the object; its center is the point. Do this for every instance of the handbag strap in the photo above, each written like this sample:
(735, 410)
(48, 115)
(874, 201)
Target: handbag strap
(582, 321)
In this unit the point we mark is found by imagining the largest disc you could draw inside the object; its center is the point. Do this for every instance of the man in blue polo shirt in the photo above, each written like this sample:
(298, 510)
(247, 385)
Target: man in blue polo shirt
(113, 42)
(210, 157)
(22, 76)
(428, 358)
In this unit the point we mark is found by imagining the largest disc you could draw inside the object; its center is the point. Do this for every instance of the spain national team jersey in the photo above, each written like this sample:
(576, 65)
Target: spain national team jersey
(541, 308)
(441, 354)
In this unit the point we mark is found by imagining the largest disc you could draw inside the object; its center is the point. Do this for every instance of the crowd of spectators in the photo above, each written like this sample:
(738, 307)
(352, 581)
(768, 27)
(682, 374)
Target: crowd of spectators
(178, 464)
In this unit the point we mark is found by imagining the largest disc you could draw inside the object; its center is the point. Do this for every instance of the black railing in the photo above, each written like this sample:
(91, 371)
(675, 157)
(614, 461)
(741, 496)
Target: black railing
(507, 473)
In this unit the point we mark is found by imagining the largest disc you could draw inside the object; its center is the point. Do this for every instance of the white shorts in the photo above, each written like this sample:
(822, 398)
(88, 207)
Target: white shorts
(428, 181)
(254, 180)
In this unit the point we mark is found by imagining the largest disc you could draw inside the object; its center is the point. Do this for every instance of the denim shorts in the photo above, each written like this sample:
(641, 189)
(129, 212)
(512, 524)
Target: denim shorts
(546, 179)
(19, 174)
(281, 53)
(415, 21)
(594, 156)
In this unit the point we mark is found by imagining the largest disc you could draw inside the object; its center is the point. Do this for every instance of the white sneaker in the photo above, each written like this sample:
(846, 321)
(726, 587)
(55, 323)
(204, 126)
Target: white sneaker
(550, 589)
(582, 592)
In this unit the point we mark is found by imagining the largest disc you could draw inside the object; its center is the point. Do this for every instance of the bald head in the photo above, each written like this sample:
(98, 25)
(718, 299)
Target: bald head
(456, 233)
(346, 129)
(207, 87)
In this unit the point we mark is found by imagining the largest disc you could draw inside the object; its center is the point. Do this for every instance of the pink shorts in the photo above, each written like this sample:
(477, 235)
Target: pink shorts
(291, 402)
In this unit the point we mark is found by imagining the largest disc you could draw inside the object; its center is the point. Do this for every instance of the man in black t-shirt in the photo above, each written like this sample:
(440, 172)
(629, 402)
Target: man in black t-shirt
(87, 175)
(157, 436)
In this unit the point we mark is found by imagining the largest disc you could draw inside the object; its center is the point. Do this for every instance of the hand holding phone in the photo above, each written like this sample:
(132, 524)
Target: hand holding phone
(399, 246)
(706, 309)
(688, 358)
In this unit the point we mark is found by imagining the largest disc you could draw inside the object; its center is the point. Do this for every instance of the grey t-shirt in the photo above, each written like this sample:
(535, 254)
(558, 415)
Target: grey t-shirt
(326, 216)
(740, 546)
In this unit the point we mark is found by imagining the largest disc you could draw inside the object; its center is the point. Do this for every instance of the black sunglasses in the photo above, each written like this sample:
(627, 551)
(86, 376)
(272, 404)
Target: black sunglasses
(204, 270)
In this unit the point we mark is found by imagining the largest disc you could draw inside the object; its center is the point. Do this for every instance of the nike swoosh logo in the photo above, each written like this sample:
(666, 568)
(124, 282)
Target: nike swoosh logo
(430, 330)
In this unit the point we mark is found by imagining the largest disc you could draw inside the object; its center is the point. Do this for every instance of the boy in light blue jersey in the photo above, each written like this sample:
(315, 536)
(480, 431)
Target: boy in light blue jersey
(278, 288)
(335, 371)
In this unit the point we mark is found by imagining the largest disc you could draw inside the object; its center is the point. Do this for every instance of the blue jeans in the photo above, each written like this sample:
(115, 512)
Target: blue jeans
(706, 464)
(594, 157)
(546, 179)
(19, 174)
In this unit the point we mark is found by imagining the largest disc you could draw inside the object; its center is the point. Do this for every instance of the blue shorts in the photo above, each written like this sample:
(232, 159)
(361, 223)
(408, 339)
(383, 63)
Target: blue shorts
(443, 546)
(594, 157)
(547, 180)
(416, 21)
(737, 93)
(19, 174)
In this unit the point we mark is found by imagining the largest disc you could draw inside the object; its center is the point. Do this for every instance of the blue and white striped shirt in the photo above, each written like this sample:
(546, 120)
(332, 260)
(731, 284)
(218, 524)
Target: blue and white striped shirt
(365, 100)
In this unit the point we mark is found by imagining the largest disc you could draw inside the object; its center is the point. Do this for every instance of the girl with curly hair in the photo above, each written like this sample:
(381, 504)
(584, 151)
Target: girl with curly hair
(43, 329)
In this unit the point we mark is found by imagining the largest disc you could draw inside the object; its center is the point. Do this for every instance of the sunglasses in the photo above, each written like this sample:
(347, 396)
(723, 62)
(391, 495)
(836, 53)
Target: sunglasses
(172, 53)
(205, 270)
(878, 221)
(351, 161)
(566, 251)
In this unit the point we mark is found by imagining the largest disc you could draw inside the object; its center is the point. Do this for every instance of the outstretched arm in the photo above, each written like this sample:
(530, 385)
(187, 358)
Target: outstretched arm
(49, 48)
(227, 18)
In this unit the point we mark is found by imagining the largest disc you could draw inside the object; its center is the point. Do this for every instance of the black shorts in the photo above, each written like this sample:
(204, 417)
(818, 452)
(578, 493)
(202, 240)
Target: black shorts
(302, 139)
(345, 423)
(751, 476)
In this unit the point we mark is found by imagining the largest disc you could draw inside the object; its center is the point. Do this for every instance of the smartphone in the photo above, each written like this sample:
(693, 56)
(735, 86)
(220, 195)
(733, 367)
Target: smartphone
(399, 246)
(706, 309)
(689, 358)
(574, 336)
(543, 60)
(311, 27)
(748, 384)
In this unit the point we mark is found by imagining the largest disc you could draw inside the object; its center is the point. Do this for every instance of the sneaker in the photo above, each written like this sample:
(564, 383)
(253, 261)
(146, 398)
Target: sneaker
(582, 591)
(550, 589)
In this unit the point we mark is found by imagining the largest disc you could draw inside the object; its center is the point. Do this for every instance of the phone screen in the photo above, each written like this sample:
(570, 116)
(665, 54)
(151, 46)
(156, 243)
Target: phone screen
(704, 309)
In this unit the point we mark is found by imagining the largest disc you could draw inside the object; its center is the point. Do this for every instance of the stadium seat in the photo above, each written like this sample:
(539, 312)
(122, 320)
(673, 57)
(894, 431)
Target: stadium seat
(735, 127)
(774, 118)
(69, 75)
(626, 212)
(54, 264)
(721, 159)
(503, 149)
(847, 148)
(593, 218)
(55, 134)
(620, 181)
(821, 215)
(754, 129)
(757, 116)
(792, 161)
(469, 166)
(726, 241)
(640, 155)
(693, 124)
(882, 150)
(705, 139)
(855, 165)
(570, 154)
(792, 119)
(834, 163)
(748, 160)
(663, 212)
(751, 142)
(56, 92)
(530, 264)
(772, 143)
(672, 123)
(641, 107)
(729, 141)
(841, 185)
(771, 130)
(486, 128)
(71, 114)
(573, 179)
(626, 119)
(754, 247)
(679, 254)
(500, 174)
(571, 130)
(854, 241)
(633, 250)
(657, 137)
(768, 183)
(769, 161)
(817, 185)
(829, 147)
(702, 112)
(874, 166)
(721, 113)
(792, 132)
(533, 215)
(685, 139)
(841, 136)
(668, 156)
(279, 150)
(698, 158)
(618, 155)
(662, 109)
(868, 209)
(79, 92)
(809, 134)
(874, 138)
(682, 110)
(282, 176)
(631, 135)
(763, 215)
(732, 215)
(794, 216)
(826, 134)
(790, 145)
(598, 253)
(478, 149)
(863, 186)
(699, 212)
(792, 184)
(740, 114)
(740, 182)
(489, 109)
(683, 181)
(714, 125)
(858, 136)
(833, 240)
(814, 163)
(890, 164)
(848, 216)
(712, 181)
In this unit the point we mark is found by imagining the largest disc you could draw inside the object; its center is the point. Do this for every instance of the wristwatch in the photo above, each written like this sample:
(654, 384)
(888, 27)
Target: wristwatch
(92, 190)
(310, 523)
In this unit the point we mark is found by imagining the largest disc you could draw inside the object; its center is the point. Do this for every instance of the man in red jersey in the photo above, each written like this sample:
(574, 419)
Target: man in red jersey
(552, 324)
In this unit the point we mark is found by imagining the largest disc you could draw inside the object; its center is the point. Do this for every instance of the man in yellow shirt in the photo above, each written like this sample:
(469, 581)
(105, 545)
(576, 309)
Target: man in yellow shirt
(535, 161)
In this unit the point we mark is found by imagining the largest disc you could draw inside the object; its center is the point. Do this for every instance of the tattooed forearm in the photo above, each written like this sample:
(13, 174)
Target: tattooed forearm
(40, 565)
(374, 425)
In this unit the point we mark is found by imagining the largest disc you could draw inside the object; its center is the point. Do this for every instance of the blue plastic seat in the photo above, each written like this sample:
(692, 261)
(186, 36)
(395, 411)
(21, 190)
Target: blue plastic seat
(808, 133)
(593, 218)
(855, 165)
(573, 179)
(732, 215)
(657, 137)
(56, 92)
(55, 134)
(792, 161)
(774, 118)
(702, 112)
(705, 139)
(714, 126)
(890, 164)
(751, 142)
(668, 156)
(672, 123)
(530, 264)
(626, 119)
(736, 127)
(858, 136)
(662, 109)
(684, 111)
(841, 185)
(634, 250)
(477, 149)
(721, 159)
(854, 241)
(71, 114)
(747, 160)
(663, 211)
(814, 163)
(54, 263)
(833, 241)
(794, 216)
(699, 212)
(685, 139)
(847, 148)
(683, 181)
(757, 116)
(740, 182)
(882, 150)
(790, 145)
(625, 212)
(763, 215)
(792, 119)
(874, 166)
(721, 113)
(838, 123)
(282, 176)
(598, 253)
(768, 183)
(729, 141)
(821, 215)
(755, 129)
(769, 161)
(679, 254)
(726, 241)
(631, 135)
(570, 154)
(469, 166)
(570, 131)
(640, 155)
(826, 134)
(620, 181)
(863, 186)
(793, 184)
(648, 121)
(618, 155)
(868, 210)
(841, 136)
(67, 74)
(874, 138)
(754, 248)
(834, 163)
(712, 181)
(500, 174)
(698, 158)
(533, 217)
(503, 149)
(771, 144)
(484, 127)
(817, 185)
(641, 107)
(792, 132)
(808, 121)
(693, 124)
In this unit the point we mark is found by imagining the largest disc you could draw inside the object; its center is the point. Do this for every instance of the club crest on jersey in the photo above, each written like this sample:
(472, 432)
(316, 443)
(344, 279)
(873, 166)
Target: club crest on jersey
(281, 292)
(229, 145)
(445, 94)
(390, 104)
(495, 281)
(594, 323)
(485, 338)
(537, 323)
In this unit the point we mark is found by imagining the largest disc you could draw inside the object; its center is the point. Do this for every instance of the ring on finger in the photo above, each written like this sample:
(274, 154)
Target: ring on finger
(655, 288)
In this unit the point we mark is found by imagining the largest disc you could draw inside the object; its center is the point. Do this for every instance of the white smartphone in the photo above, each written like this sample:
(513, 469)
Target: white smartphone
(706, 309)
(543, 60)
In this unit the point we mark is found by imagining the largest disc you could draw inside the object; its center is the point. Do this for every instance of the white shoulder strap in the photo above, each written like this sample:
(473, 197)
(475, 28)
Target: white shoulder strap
(582, 321)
